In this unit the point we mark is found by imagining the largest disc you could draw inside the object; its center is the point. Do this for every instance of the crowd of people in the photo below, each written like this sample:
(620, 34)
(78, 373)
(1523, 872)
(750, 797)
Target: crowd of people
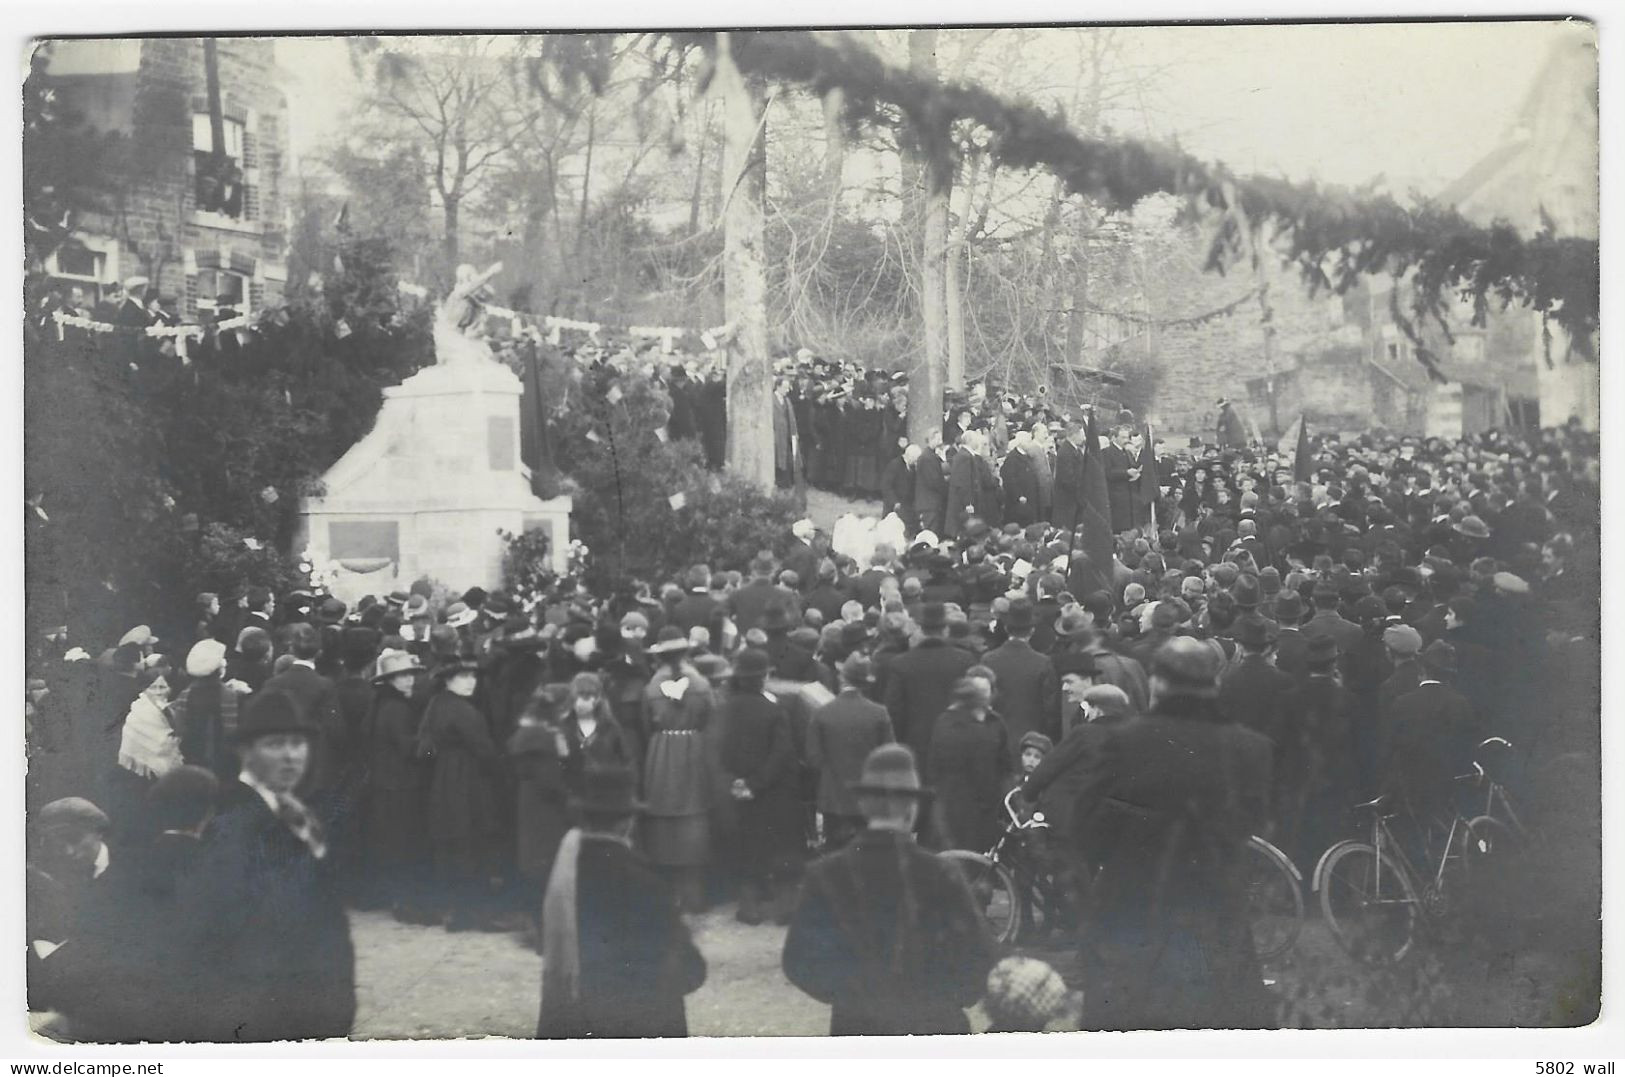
(798, 735)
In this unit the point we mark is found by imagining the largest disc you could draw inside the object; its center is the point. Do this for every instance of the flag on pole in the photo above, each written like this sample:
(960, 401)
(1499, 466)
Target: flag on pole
(1296, 441)
(1094, 518)
(1150, 482)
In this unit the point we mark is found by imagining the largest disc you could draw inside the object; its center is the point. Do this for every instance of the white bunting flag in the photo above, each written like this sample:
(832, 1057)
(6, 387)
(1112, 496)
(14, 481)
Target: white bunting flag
(677, 500)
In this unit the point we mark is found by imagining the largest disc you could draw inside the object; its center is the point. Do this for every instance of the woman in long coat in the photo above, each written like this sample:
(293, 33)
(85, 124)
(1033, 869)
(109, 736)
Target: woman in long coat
(759, 758)
(969, 762)
(537, 751)
(462, 810)
(394, 812)
(677, 705)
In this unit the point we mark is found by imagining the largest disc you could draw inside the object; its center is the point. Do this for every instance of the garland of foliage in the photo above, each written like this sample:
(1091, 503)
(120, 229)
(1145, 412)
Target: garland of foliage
(1332, 234)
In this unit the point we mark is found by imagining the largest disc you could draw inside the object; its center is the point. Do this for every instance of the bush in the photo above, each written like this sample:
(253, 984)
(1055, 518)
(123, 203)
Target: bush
(626, 479)
(225, 560)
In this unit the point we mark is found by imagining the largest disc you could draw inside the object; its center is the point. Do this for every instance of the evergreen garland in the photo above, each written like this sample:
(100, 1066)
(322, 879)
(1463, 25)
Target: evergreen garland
(1334, 235)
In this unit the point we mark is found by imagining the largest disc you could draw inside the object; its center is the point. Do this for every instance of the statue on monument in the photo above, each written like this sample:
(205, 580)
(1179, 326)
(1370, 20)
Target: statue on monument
(458, 314)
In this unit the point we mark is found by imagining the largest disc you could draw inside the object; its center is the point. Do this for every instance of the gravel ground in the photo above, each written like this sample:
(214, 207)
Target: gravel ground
(417, 982)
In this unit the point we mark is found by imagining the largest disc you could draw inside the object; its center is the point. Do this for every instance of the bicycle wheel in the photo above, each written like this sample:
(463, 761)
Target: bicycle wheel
(1274, 898)
(1369, 903)
(994, 891)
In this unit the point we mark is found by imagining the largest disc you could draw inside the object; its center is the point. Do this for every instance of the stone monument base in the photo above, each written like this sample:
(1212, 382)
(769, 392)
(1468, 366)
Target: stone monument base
(428, 490)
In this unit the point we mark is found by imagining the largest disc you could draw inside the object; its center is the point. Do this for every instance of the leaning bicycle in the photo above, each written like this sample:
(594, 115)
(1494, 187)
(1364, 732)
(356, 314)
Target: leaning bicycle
(1016, 895)
(1377, 897)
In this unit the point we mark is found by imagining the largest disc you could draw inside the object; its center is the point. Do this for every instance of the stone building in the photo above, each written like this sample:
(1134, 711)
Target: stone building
(208, 232)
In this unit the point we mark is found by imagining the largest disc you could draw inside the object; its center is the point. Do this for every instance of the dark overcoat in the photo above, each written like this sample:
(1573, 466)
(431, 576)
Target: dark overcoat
(889, 937)
(919, 685)
(930, 492)
(331, 751)
(1168, 805)
(1319, 769)
(1020, 488)
(1029, 697)
(637, 957)
(757, 747)
(970, 772)
(964, 490)
(394, 814)
(840, 737)
(462, 810)
(1068, 496)
(271, 940)
(1119, 487)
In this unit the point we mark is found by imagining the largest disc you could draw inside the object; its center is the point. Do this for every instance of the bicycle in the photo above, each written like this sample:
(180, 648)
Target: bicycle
(993, 876)
(1374, 898)
(1010, 889)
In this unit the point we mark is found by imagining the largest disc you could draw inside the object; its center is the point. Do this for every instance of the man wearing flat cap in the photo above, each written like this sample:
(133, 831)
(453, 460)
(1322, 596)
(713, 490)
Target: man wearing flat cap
(886, 934)
(1168, 805)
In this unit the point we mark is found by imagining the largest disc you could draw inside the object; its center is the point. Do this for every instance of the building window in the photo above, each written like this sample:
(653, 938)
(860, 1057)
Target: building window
(223, 293)
(219, 181)
(75, 266)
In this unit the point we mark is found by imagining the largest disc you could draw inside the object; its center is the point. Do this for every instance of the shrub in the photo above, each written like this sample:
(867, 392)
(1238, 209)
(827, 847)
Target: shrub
(627, 478)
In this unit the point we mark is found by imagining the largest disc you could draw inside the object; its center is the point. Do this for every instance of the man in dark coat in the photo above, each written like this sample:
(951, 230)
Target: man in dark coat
(698, 608)
(826, 596)
(1020, 479)
(1069, 481)
(801, 558)
(758, 756)
(885, 933)
(1250, 691)
(1328, 622)
(1029, 694)
(897, 487)
(132, 967)
(1433, 735)
(840, 736)
(1290, 643)
(272, 938)
(931, 486)
(617, 956)
(1231, 434)
(1168, 806)
(964, 486)
(752, 600)
(919, 684)
(1319, 770)
(1121, 476)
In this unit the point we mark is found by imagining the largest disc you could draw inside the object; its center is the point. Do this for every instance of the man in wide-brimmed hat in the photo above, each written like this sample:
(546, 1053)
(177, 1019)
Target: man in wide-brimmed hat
(1166, 810)
(272, 937)
(886, 934)
(617, 957)
(332, 753)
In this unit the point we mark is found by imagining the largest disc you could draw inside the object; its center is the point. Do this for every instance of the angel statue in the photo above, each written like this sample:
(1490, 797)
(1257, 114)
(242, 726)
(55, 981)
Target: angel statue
(459, 313)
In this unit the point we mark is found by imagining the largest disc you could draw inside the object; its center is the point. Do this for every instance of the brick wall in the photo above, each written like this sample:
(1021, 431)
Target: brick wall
(156, 222)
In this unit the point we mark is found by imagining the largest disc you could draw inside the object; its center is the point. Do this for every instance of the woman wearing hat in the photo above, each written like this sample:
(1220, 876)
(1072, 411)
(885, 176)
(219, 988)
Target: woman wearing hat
(462, 811)
(678, 705)
(205, 714)
(393, 818)
(970, 767)
(759, 758)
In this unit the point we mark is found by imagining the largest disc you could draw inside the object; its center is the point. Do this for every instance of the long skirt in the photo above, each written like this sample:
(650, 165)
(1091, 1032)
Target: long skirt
(676, 841)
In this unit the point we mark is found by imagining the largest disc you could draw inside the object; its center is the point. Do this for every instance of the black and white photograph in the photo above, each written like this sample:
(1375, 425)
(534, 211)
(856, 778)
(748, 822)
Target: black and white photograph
(893, 530)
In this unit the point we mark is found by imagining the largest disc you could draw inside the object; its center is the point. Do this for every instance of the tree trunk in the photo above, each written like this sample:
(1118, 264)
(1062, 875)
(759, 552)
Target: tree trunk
(834, 142)
(586, 176)
(933, 185)
(954, 288)
(750, 370)
(1077, 319)
(453, 211)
